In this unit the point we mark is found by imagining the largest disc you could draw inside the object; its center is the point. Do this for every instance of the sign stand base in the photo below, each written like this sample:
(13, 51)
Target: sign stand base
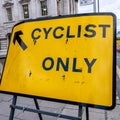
(13, 106)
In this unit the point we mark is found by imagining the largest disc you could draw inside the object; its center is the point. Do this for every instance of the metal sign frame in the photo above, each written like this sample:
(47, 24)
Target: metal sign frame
(23, 46)
(13, 107)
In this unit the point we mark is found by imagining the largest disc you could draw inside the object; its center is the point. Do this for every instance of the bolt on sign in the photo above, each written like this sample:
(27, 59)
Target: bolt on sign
(69, 58)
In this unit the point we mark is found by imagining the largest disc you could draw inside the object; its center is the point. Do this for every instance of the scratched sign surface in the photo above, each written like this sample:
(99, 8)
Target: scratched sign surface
(68, 58)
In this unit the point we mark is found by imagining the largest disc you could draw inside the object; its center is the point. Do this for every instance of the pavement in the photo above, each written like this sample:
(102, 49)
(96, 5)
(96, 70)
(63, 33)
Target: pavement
(55, 107)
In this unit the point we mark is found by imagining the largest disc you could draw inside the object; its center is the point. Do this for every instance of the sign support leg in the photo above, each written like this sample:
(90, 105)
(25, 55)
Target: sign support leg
(37, 106)
(87, 113)
(12, 108)
(80, 112)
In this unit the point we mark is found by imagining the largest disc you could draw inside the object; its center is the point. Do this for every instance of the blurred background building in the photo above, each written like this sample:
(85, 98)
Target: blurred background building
(14, 11)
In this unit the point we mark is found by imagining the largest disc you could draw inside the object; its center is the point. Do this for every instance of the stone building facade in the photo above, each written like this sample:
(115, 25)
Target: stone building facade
(14, 11)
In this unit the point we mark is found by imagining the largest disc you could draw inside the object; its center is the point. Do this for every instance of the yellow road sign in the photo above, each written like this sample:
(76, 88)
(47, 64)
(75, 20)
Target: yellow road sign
(70, 58)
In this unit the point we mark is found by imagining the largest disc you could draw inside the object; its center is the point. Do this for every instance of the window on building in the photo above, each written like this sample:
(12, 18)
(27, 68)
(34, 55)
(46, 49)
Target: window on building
(44, 7)
(25, 11)
(3, 44)
(73, 6)
(9, 13)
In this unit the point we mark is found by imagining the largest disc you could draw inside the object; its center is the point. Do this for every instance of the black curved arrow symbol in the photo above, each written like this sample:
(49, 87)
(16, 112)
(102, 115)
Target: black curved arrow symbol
(19, 40)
